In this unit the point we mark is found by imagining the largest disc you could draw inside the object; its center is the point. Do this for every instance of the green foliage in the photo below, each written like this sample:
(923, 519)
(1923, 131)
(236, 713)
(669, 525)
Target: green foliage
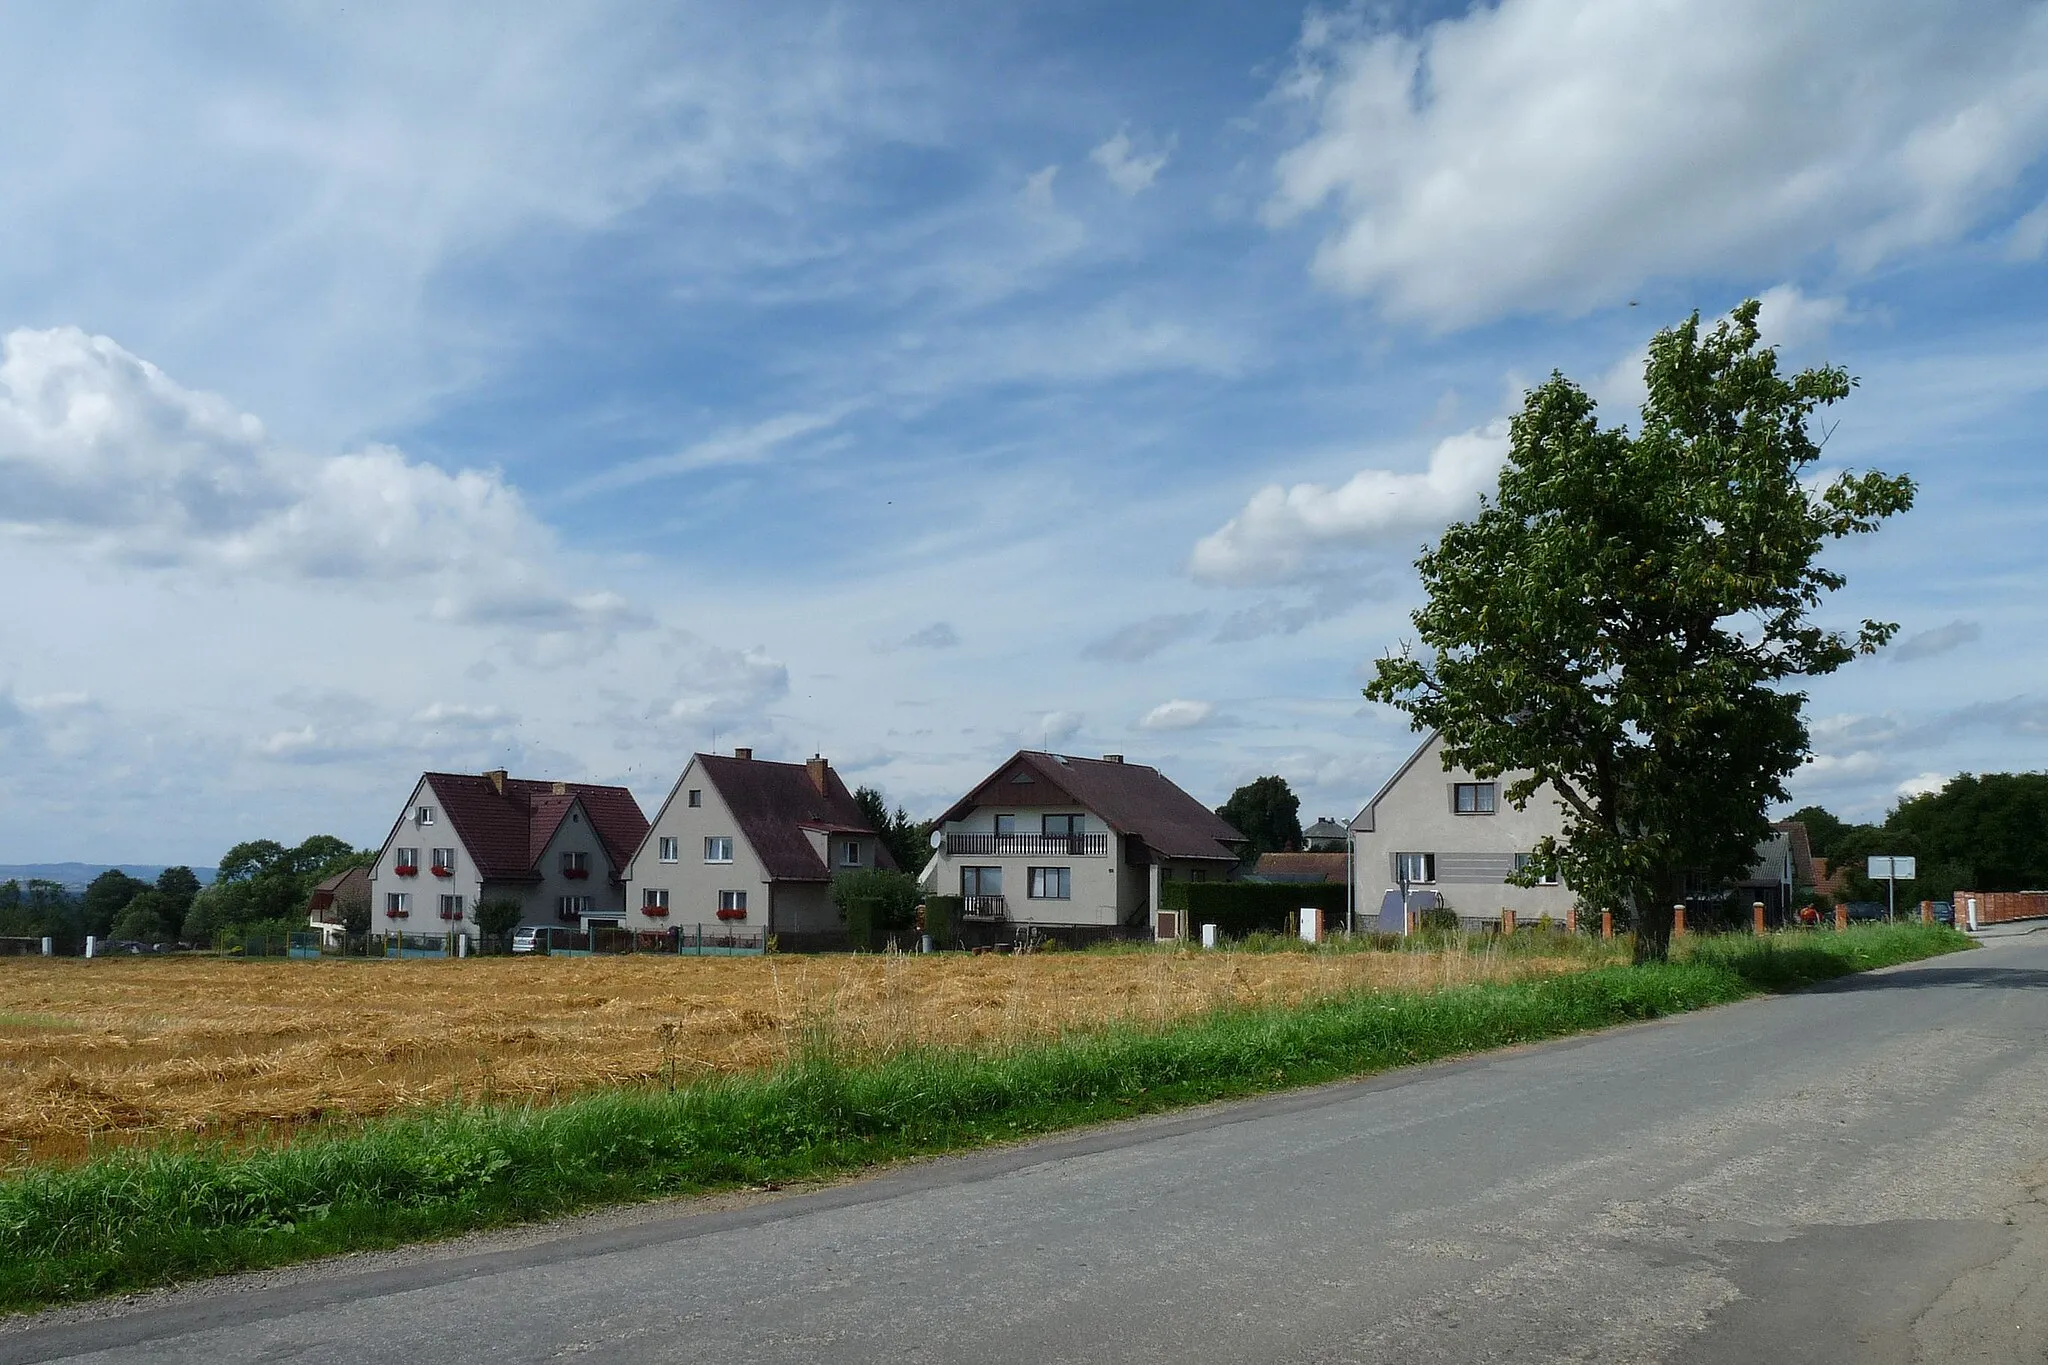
(876, 903)
(1620, 624)
(262, 880)
(498, 915)
(1437, 921)
(1823, 829)
(140, 1218)
(107, 896)
(908, 840)
(1240, 909)
(1978, 833)
(1267, 813)
(42, 909)
(145, 919)
(942, 919)
(179, 886)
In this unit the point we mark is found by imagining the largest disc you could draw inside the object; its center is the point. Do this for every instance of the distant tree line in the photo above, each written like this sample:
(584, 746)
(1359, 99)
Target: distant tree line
(1978, 833)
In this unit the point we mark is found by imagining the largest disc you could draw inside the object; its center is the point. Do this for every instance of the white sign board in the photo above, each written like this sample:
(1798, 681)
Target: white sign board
(1893, 869)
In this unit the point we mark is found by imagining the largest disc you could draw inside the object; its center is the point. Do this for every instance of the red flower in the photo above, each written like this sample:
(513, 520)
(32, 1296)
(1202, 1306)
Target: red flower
(444, 871)
(576, 873)
(657, 911)
(732, 914)
(407, 870)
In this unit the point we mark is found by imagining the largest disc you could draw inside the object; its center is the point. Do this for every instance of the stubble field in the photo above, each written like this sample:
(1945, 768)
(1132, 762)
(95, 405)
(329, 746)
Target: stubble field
(103, 1053)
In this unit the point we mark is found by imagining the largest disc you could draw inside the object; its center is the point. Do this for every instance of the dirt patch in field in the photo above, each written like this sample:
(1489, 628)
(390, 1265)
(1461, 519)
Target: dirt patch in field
(112, 1051)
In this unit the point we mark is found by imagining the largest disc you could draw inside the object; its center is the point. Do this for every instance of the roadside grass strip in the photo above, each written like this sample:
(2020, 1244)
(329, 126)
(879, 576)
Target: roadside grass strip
(140, 1218)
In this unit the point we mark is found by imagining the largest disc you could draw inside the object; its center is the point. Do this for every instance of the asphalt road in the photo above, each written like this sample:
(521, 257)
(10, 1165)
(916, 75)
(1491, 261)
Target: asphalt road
(1854, 1174)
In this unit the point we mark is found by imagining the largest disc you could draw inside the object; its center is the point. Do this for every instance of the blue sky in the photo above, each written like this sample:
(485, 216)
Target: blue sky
(570, 387)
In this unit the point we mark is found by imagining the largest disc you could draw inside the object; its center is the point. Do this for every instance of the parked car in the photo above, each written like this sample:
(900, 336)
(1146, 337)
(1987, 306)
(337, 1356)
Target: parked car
(532, 938)
(1945, 912)
(1867, 910)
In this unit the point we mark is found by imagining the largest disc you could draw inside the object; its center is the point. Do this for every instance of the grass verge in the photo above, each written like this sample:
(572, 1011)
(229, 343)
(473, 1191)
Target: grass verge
(137, 1219)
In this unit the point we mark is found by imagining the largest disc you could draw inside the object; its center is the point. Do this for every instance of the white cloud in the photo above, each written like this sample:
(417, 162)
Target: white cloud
(1940, 640)
(1554, 154)
(1052, 730)
(1140, 640)
(1922, 784)
(1789, 317)
(1285, 533)
(100, 448)
(1129, 169)
(1177, 715)
(741, 445)
(724, 687)
(2029, 236)
(1038, 188)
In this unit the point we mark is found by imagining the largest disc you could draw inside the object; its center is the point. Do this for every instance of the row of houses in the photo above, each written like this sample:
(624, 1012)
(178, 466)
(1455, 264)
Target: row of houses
(1047, 840)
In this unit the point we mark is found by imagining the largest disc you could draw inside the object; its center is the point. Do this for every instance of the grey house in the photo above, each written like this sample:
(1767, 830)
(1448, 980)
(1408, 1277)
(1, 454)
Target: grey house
(743, 843)
(557, 848)
(1056, 841)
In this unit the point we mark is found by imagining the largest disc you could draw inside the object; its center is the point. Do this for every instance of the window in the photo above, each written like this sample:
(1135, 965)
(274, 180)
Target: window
(733, 900)
(1051, 884)
(981, 881)
(1522, 860)
(1063, 826)
(1198, 874)
(1473, 798)
(576, 864)
(423, 816)
(669, 850)
(696, 796)
(451, 907)
(574, 907)
(397, 902)
(654, 898)
(444, 858)
(718, 849)
(849, 853)
(407, 857)
(1415, 868)
(1005, 825)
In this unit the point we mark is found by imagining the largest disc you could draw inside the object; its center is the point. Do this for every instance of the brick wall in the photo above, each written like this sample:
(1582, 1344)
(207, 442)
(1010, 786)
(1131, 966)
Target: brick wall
(1999, 907)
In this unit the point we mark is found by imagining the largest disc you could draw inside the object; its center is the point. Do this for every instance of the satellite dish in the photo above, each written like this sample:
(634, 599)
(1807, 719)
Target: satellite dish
(938, 837)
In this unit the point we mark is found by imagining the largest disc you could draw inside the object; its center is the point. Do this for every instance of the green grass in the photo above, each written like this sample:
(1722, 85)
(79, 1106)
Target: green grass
(134, 1219)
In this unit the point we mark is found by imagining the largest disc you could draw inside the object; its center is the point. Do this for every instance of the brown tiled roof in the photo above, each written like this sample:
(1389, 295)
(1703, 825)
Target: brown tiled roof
(775, 802)
(1300, 867)
(1807, 870)
(506, 832)
(330, 889)
(1130, 797)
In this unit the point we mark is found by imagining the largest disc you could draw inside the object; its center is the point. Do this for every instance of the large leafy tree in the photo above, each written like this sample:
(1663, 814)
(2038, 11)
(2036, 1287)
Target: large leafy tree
(1623, 623)
(1267, 813)
(908, 840)
(106, 896)
(264, 881)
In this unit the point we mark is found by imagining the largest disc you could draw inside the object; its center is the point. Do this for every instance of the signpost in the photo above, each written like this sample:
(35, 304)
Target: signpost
(1892, 871)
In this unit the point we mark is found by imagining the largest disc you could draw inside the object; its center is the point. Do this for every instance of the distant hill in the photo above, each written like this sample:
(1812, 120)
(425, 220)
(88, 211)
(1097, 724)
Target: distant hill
(75, 876)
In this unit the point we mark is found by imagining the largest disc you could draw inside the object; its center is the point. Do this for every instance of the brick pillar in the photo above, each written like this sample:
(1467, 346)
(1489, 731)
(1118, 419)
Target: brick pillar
(1571, 920)
(1678, 921)
(1841, 918)
(1507, 921)
(1927, 912)
(1607, 924)
(1408, 919)
(1756, 915)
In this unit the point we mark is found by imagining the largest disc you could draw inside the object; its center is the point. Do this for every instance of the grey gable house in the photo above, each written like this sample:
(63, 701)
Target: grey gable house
(557, 848)
(1450, 839)
(1055, 841)
(747, 844)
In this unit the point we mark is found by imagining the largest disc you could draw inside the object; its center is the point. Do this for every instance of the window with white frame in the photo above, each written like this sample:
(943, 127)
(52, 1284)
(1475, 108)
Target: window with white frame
(1052, 884)
(1416, 869)
(451, 907)
(576, 864)
(397, 902)
(444, 858)
(669, 848)
(733, 900)
(407, 857)
(423, 816)
(718, 848)
(696, 797)
(1522, 860)
(573, 907)
(849, 853)
(1474, 798)
(654, 898)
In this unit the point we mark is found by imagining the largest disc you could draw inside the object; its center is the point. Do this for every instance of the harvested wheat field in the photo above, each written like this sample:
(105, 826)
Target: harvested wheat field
(117, 1051)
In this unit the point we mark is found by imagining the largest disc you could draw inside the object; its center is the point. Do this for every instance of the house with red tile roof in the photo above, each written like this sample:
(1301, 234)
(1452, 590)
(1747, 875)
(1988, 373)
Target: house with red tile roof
(745, 843)
(557, 848)
(1055, 841)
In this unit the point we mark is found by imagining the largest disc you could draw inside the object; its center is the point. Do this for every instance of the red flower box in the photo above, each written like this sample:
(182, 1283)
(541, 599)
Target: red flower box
(451, 914)
(406, 870)
(656, 911)
(397, 914)
(444, 872)
(732, 914)
(576, 874)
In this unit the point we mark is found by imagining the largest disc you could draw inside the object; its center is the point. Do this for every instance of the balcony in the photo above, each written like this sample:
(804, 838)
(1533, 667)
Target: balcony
(1027, 845)
(984, 907)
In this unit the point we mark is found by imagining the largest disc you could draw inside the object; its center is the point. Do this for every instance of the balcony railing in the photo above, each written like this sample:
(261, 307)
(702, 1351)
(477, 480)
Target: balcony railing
(1027, 845)
(984, 907)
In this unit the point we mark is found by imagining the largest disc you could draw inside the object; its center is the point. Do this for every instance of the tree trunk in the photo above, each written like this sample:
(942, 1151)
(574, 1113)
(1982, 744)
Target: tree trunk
(1652, 920)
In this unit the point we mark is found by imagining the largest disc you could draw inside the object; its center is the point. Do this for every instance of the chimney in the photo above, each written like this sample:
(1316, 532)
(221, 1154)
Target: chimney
(497, 779)
(561, 788)
(742, 753)
(1112, 758)
(817, 768)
